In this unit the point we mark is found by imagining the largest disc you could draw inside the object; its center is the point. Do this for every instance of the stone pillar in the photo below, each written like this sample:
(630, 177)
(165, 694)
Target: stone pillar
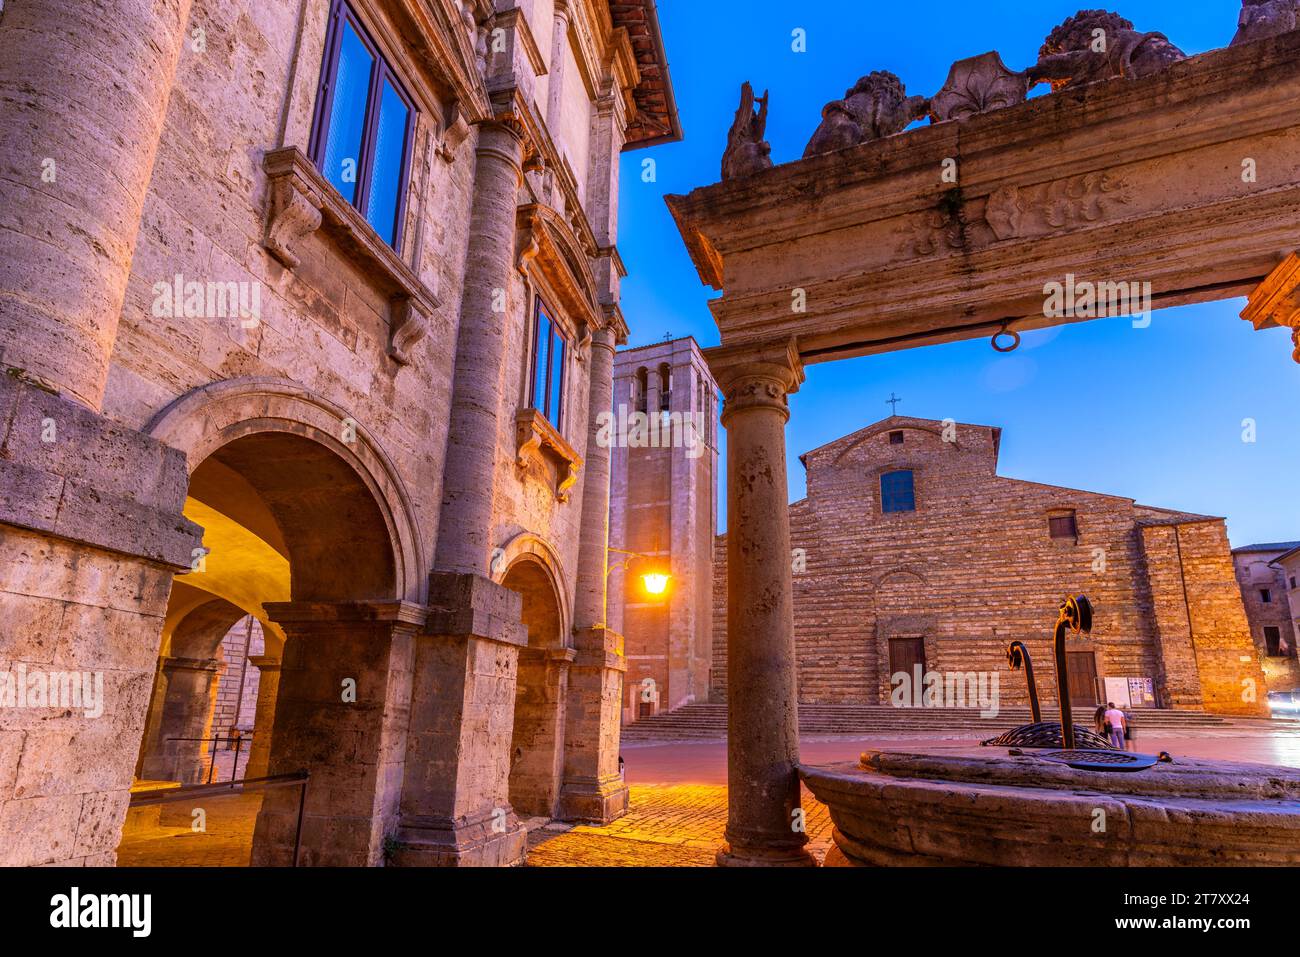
(592, 789)
(185, 713)
(555, 83)
(268, 691)
(465, 530)
(455, 806)
(762, 701)
(91, 530)
(341, 714)
(85, 85)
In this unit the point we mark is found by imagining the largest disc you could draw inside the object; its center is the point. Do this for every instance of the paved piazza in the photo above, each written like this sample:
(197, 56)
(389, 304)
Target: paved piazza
(678, 803)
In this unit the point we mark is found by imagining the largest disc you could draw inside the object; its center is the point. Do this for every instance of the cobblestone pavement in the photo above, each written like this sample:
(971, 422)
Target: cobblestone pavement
(667, 825)
(166, 838)
(677, 812)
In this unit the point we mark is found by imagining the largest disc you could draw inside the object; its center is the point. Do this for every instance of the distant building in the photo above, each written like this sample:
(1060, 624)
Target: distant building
(1267, 575)
(663, 506)
(910, 549)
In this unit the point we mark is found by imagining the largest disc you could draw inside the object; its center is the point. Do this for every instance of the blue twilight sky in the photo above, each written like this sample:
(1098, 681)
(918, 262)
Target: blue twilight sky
(1153, 414)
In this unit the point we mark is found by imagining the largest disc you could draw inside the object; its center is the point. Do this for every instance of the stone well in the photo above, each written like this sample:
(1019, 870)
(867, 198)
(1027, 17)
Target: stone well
(976, 806)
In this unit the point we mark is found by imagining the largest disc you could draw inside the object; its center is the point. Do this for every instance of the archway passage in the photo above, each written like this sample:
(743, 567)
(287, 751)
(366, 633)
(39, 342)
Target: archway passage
(536, 746)
(295, 538)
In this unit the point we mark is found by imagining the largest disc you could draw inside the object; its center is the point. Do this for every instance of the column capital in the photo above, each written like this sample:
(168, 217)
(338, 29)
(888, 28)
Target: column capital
(755, 376)
(290, 613)
(264, 663)
(1276, 301)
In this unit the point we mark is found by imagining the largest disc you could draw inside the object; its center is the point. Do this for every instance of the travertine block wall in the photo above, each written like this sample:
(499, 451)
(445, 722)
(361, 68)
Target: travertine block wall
(974, 568)
(351, 352)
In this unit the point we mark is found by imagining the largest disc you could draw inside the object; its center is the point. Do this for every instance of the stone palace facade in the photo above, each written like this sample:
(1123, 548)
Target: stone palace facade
(304, 310)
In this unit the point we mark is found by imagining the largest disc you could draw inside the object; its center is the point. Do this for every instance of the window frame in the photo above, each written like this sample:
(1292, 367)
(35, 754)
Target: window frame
(343, 13)
(880, 484)
(1276, 650)
(556, 332)
(1072, 516)
(1266, 596)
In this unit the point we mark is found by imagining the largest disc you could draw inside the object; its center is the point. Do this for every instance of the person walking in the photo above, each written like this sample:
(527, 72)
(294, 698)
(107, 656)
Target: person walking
(1130, 735)
(1099, 721)
(1115, 720)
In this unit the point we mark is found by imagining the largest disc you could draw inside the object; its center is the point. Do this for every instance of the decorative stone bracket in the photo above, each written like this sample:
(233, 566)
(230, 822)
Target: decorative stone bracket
(1276, 301)
(303, 201)
(537, 440)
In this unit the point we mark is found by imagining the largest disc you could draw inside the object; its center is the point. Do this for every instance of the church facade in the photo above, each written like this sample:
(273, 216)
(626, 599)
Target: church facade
(911, 550)
(305, 308)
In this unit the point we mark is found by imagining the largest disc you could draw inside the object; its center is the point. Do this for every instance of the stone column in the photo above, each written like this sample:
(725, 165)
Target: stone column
(186, 712)
(593, 790)
(455, 807)
(341, 713)
(593, 537)
(555, 83)
(91, 530)
(465, 529)
(85, 85)
(268, 691)
(762, 701)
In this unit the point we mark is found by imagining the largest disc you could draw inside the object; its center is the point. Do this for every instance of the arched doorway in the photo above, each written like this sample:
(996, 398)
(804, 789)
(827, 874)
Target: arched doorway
(181, 710)
(307, 529)
(537, 744)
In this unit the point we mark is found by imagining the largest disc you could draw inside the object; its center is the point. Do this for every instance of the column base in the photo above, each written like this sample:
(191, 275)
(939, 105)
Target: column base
(591, 802)
(735, 855)
(459, 845)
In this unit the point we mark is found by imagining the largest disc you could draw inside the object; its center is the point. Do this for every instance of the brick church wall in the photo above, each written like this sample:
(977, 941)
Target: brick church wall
(974, 568)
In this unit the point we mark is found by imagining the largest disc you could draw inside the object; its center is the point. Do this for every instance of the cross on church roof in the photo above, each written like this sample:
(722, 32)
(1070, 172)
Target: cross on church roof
(893, 400)
(668, 337)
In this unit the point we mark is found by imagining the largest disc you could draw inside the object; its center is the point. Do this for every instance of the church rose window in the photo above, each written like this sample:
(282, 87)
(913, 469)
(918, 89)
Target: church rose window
(549, 352)
(897, 492)
(361, 141)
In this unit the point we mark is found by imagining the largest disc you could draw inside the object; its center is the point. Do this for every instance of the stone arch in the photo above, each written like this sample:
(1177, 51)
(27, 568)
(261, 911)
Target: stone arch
(871, 432)
(181, 706)
(217, 415)
(531, 547)
(903, 612)
(541, 684)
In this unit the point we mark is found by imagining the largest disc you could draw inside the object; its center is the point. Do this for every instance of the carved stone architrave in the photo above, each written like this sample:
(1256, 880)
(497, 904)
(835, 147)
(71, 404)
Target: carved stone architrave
(1013, 212)
(1276, 301)
(978, 85)
(297, 190)
(536, 440)
(552, 256)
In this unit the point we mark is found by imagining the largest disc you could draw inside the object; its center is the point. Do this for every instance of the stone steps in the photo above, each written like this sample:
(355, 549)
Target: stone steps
(710, 721)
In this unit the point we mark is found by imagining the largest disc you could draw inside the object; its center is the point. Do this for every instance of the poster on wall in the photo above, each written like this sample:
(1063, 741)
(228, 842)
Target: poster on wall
(1142, 692)
(1117, 691)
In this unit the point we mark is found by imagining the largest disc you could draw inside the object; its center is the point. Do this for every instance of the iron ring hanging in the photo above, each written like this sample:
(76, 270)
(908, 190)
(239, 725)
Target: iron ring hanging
(1006, 330)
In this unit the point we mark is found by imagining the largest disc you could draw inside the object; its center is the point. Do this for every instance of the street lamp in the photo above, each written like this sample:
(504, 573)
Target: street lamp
(655, 582)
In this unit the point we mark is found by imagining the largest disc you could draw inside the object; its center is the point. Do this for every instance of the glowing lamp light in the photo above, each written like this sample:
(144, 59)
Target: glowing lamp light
(656, 583)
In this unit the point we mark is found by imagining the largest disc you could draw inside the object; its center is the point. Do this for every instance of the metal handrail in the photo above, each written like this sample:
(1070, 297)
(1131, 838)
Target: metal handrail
(188, 791)
(212, 763)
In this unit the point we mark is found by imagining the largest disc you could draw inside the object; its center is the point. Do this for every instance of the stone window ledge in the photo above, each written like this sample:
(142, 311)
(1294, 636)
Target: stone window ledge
(537, 440)
(301, 201)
